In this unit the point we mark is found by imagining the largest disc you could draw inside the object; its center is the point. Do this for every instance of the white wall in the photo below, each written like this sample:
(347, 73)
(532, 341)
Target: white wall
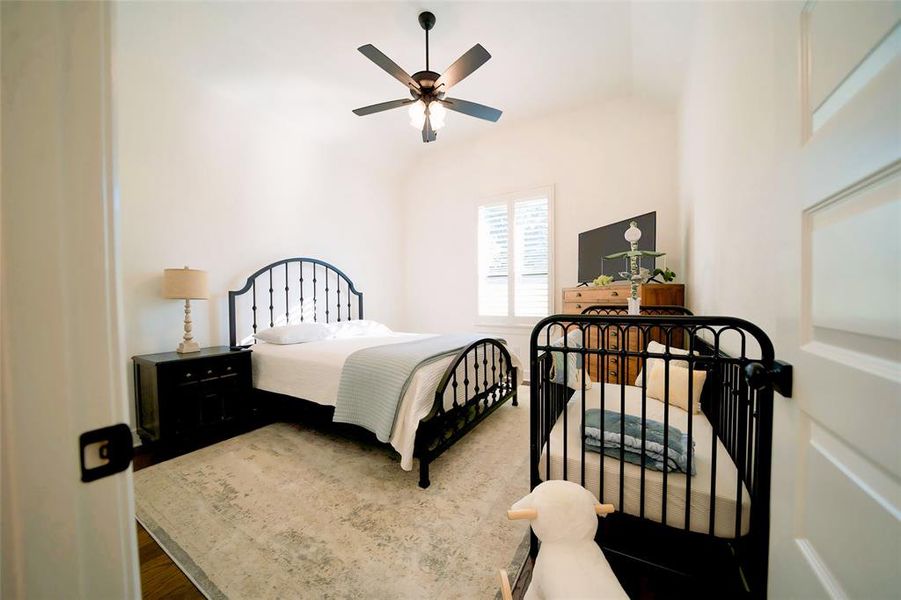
(607, 161)
(738, 146)
(214, 180)
(739, 132)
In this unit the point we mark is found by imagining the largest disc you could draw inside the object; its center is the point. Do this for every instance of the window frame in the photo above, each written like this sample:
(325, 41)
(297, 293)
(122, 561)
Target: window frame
(509, 200)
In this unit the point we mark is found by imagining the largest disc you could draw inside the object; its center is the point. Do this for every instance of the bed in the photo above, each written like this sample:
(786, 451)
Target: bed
(442, 400)
(701, 535)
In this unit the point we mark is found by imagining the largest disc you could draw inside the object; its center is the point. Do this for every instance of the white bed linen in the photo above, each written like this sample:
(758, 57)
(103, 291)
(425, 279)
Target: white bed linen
(312, 371)
(702, 433)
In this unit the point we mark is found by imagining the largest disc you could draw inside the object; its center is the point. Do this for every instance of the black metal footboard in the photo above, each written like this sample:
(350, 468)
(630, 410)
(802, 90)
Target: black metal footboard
(478, 380)
(709, 530)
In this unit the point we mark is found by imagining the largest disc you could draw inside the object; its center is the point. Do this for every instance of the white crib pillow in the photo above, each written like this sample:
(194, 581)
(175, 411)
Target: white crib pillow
(293, 334)
(678, 385)
(658, 348)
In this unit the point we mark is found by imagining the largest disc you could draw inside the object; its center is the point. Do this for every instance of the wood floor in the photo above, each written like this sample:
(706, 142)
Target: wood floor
(160, 577)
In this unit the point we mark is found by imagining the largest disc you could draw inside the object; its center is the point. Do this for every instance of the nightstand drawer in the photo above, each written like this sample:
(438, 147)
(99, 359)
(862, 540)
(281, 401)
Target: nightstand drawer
(183, 373)
(199, 370)
(235, 365)
(190, 371)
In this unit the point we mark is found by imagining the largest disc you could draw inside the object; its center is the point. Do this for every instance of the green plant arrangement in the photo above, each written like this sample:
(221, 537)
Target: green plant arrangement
(666, 273)
(602, 280)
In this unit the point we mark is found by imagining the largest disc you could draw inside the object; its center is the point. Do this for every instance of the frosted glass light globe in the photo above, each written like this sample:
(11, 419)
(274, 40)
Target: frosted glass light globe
(417, 114)
(633, 233)
(437, 112)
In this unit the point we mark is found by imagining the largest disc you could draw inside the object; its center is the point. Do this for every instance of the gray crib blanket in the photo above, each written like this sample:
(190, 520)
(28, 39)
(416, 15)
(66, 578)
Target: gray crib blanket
(620, 436)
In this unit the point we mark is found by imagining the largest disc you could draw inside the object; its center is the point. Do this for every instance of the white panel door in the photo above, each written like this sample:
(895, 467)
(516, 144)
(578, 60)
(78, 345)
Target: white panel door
(842, 538)
(62, 365)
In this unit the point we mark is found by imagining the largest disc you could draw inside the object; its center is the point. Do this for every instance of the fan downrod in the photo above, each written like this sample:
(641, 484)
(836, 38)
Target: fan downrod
(426, 20)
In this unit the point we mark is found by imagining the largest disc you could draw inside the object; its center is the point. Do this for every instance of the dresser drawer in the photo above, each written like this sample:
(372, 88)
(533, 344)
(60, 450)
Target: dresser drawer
(618, 369)
(575, 308)
(611, 374)
(628, 338)
(597, 295)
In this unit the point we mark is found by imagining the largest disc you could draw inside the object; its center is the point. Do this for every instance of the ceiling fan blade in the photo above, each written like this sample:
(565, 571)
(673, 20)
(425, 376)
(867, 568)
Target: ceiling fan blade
(428, 134)
(374, 108)
(474, 58)
(389, 66)
(473, 109)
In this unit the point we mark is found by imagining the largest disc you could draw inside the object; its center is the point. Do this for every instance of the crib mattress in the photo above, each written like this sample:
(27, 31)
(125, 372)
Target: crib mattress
(726, 492)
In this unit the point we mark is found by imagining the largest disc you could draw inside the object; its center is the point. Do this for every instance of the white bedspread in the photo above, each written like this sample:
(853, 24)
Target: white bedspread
(312, 371)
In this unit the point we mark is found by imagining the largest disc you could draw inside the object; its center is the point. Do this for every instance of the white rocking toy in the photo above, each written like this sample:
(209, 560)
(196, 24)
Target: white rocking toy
(570, 564)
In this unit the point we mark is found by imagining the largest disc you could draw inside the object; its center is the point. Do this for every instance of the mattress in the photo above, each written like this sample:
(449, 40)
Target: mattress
(312, 371)
(725, 501)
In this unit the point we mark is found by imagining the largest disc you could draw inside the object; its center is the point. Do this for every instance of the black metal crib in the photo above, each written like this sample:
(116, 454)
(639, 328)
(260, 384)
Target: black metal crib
(656, 542)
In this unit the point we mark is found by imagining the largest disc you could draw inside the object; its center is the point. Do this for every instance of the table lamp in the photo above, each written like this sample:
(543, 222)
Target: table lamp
(186, 284)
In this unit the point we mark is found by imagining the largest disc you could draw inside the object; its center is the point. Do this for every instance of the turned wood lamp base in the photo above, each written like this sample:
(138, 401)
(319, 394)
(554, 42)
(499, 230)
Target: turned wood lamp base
(188, 345)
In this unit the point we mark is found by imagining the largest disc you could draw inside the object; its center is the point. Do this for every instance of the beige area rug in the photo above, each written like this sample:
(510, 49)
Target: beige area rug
(290, 512)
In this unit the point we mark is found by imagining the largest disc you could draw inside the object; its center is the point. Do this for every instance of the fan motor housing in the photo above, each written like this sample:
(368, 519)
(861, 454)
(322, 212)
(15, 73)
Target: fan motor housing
(426, 81)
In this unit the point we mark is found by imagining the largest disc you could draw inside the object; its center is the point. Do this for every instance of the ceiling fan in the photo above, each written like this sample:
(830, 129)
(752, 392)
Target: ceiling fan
(428, 89)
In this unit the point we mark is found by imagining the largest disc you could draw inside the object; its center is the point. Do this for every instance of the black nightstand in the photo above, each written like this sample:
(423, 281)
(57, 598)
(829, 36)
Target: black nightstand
(191, 397)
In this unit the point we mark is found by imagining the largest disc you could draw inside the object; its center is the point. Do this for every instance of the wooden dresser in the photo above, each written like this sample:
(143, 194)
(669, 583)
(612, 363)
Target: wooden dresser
(577, 299)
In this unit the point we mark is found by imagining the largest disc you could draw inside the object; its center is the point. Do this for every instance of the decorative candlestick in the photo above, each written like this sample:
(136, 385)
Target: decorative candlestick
(632, 235)
(636, 273)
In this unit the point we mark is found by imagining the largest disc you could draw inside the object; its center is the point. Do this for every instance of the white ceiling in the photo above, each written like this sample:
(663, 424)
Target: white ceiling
(298, 61)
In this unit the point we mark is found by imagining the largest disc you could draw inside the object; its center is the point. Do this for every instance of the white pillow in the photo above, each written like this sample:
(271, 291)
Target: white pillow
(359, 328)
(658, 348)
(293, 334)
(678, 385)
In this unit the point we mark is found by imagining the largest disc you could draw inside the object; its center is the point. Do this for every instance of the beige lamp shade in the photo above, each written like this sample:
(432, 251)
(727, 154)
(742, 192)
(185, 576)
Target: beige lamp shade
(185, 284)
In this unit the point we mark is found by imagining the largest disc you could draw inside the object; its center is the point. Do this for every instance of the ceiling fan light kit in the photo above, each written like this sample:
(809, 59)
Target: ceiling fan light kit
(435, 110)
(428, 89)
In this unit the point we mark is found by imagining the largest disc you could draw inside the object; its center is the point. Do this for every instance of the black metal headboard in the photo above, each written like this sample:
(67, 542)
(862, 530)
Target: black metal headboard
(292, 290)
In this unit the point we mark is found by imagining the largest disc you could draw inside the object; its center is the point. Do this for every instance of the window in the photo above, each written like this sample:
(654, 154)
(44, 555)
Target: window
(515, 241)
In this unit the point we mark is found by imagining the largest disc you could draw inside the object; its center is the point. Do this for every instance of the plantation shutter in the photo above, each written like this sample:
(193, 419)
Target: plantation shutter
(494, 264)
(532, 254)
(516, 286)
